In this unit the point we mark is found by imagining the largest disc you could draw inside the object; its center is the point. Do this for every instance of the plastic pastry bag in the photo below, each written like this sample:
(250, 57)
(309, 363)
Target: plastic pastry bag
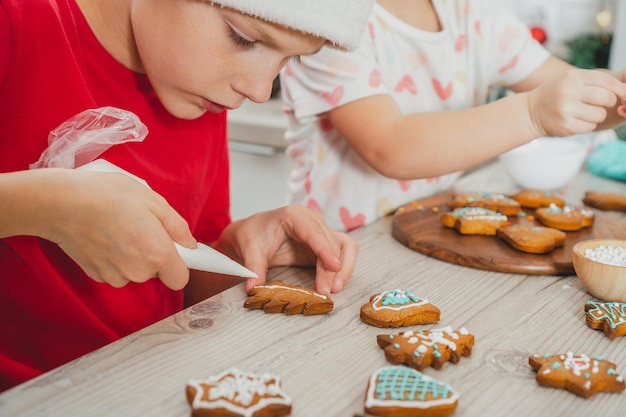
(83, 137)
(77, 143)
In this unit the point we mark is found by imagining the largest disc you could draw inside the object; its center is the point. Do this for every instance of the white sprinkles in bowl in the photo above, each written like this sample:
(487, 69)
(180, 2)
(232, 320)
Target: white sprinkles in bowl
(610, 255)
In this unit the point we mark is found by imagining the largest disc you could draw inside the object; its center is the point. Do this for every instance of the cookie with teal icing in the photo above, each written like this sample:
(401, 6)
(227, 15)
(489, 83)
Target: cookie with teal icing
(424, 348)
(580, 374)
(608, 317)
(397, 308)
(394, 391)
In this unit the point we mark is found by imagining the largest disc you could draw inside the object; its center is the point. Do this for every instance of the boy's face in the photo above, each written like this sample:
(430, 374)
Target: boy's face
(201, 57)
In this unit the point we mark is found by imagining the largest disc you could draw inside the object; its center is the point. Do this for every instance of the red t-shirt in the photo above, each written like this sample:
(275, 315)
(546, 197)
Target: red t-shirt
(52, 68)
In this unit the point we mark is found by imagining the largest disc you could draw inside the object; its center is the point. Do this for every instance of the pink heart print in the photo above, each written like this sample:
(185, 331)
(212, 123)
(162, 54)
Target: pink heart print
(375, 78)
(334, 98)
(460, 43)
(512, 64)
(443, 92)
(313, 205)
(406, 83)
(405, 184)
(351, 222)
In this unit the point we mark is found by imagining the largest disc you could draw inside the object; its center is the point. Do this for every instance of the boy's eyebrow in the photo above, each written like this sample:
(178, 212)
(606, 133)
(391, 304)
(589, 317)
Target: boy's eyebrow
(269, 39)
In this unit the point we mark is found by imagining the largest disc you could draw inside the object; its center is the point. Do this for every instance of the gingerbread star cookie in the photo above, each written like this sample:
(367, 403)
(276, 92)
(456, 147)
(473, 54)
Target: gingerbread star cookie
(278, 297)
(234, 393)
(402, 391)
(579, 374)
(420, 349)
(608, 317)
(398, 308)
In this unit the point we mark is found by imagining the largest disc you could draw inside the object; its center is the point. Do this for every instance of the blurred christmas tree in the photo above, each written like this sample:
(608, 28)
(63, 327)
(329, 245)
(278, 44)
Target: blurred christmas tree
(590, 50)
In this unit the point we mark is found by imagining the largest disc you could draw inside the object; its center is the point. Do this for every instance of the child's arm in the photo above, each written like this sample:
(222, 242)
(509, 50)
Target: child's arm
(564, 101)
(114, 228)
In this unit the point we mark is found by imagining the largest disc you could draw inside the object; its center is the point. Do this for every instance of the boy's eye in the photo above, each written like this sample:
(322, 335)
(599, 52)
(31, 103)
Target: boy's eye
(240, 40)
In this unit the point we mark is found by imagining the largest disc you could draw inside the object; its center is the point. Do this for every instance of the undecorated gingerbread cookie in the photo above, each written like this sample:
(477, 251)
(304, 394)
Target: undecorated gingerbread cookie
(278, 297)
(397, 308)
(400, 391)
(234, 393)
(532, 239)
(579, 374)
(605, 200)
(608, 317)
(420, 349)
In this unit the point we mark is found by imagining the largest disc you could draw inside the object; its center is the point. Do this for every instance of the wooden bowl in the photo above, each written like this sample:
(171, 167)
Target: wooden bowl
(603, 281)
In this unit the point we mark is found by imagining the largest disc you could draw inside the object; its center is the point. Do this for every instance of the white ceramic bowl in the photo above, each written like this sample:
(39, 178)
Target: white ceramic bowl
(546, 163)
(604, 281)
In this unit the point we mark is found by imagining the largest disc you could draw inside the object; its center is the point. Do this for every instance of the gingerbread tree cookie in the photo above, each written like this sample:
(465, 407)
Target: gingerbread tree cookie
(278, 297)
(420, 349)
(579, 374)
(609, 317)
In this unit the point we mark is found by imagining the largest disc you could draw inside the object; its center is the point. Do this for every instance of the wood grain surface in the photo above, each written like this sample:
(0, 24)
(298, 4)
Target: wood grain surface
(417, 225)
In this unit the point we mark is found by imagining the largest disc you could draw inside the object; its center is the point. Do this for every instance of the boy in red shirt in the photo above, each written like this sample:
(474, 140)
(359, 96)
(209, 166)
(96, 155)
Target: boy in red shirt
(79, 248)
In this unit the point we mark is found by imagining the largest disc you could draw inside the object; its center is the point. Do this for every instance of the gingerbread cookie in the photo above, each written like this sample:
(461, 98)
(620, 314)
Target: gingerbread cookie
(532, 239)
(567, 218)
(234, 393)
(608, 317)
(401, 391)
(474, 221)
(398, 308)
(420, 349)
(492, 201)
(278, 297)
(605, 200)
(579, 374)
(536, 198)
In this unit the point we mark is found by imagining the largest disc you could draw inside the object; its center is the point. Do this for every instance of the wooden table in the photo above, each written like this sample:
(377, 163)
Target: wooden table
(325, 360)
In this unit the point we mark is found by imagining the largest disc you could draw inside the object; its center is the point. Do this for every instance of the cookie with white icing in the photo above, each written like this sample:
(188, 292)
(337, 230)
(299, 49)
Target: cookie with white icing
(608, 317)
(492, 201)
(397, 308)
(400, 391)
(474, 221)
(234, 393)
(580, 374)
(279, 297)
(420, 349)
(566, 218)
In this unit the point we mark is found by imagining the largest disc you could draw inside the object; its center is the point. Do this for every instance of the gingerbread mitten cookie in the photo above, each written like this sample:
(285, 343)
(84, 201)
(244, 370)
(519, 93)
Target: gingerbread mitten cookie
(398, 308)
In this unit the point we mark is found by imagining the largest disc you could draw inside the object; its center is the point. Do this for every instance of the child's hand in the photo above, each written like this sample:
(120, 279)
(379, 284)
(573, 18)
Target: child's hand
(292, 235)
(116, 229)
(575, 103)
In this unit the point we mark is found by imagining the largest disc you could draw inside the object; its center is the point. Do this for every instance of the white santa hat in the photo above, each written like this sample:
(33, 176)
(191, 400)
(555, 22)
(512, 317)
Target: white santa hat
(340, 21)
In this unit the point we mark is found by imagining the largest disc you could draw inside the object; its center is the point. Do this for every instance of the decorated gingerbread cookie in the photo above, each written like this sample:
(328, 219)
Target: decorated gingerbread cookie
(532, 239)
(492, 201)
(234, 393)
(402, 391)
(608, 317)
(398, 308)
(579, 374)
(537, 198)
(474, 221)
(420, 349)
(566, 218)
(278, 297)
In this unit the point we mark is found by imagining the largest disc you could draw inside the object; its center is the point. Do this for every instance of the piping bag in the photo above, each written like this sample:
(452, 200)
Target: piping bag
(78, 141)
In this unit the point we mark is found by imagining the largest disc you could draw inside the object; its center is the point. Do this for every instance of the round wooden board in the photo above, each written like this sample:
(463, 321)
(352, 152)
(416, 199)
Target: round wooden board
(417, 225)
